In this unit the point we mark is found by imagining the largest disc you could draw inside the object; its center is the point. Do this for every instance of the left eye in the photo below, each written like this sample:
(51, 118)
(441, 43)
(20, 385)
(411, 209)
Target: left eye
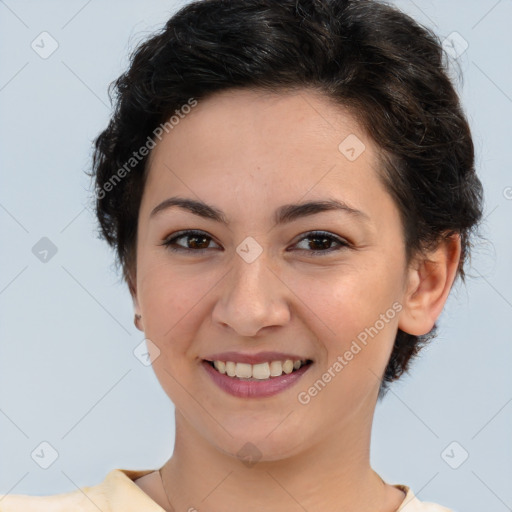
(198, 241)
(324, 239)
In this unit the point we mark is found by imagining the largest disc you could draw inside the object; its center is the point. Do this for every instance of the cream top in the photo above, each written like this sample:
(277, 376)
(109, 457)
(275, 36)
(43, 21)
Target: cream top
(119, 493)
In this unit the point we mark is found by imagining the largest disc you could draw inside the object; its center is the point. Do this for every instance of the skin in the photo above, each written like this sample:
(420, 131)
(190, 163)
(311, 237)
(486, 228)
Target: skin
(248, 153)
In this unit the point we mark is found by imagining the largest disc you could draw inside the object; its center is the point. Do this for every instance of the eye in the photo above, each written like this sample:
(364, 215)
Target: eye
(198, 240)
(323, 239)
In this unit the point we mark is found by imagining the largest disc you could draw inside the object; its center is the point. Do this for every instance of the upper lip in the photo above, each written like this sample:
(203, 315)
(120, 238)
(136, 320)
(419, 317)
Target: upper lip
(260, 357)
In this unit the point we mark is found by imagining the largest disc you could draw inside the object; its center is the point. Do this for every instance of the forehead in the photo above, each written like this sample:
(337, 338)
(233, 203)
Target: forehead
(254, 118)
(263, 148)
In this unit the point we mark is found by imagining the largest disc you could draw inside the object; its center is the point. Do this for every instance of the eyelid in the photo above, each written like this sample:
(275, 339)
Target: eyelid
(343, 243)
(183, 234)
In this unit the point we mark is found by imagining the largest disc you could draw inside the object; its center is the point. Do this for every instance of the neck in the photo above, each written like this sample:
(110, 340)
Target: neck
(332, 475)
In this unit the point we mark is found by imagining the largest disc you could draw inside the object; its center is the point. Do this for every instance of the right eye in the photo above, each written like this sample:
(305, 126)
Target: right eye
(197, 240)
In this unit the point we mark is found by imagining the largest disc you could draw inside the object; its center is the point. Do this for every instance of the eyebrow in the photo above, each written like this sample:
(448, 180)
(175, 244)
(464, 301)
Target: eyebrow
(284, 214)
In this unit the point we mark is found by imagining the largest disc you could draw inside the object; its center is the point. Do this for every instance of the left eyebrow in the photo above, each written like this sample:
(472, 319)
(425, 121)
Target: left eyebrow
(284, 214)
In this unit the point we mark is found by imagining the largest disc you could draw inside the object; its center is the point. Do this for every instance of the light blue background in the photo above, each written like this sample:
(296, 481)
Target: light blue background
(68, 375)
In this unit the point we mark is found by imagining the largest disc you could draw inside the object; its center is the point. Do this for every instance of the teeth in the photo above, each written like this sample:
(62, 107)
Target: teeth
(261, 371)
(288, 366)
(231, 368)
(276, 368)
(220, 366)
(243, 370)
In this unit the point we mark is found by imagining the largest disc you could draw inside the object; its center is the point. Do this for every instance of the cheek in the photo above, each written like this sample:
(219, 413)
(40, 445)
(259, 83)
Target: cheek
(362, 321)
(170, 302)
(349, 298)
(354, 318)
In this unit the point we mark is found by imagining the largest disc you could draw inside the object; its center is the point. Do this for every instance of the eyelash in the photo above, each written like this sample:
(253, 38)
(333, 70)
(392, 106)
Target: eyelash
(168, 243)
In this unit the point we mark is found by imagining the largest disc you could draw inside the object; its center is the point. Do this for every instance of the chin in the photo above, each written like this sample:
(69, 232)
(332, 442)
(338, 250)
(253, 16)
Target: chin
(256, 451)
(260, 442)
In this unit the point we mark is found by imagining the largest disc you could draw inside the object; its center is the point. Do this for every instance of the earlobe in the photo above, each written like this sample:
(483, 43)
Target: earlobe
(429, 282)
(137, 313)
(136, 321)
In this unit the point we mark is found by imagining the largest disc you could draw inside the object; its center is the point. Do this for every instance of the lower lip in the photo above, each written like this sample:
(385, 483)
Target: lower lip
(254, 388)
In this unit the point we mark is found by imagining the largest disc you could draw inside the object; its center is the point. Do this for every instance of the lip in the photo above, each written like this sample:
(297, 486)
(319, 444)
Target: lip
(260, 357)
(254, 388)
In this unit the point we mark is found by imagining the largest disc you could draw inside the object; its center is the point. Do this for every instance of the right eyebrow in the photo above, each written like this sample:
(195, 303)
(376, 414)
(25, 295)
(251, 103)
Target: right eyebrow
(284, 214)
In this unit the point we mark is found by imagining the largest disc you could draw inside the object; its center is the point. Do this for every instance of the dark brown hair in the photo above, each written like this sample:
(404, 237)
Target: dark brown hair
(363, 54)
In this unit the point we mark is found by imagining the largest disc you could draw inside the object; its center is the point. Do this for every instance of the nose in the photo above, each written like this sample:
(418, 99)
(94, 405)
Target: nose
(252, 296)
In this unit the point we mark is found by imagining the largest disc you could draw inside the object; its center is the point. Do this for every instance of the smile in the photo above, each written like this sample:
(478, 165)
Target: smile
(260, 371)
(259, 380)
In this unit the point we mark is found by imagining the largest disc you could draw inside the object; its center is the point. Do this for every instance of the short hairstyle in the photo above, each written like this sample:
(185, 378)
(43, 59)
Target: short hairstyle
(389, 71)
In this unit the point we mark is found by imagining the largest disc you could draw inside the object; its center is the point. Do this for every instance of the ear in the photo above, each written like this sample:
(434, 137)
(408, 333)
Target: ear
(430, 279)
(132, 287)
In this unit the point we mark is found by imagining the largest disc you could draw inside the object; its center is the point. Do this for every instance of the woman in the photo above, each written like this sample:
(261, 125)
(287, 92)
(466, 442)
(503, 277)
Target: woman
(290, 190)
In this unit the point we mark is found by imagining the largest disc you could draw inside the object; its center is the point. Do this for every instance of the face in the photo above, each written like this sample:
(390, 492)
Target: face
(259, 281)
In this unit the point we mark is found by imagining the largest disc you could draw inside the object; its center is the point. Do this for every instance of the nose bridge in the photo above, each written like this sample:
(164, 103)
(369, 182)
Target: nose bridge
(252, 295)
(251, 276)
(251, 264)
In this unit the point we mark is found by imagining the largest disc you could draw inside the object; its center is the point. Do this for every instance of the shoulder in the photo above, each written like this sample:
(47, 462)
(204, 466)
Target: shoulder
(412, 504)
(52, 503)
(83, 499)
(116, 493)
